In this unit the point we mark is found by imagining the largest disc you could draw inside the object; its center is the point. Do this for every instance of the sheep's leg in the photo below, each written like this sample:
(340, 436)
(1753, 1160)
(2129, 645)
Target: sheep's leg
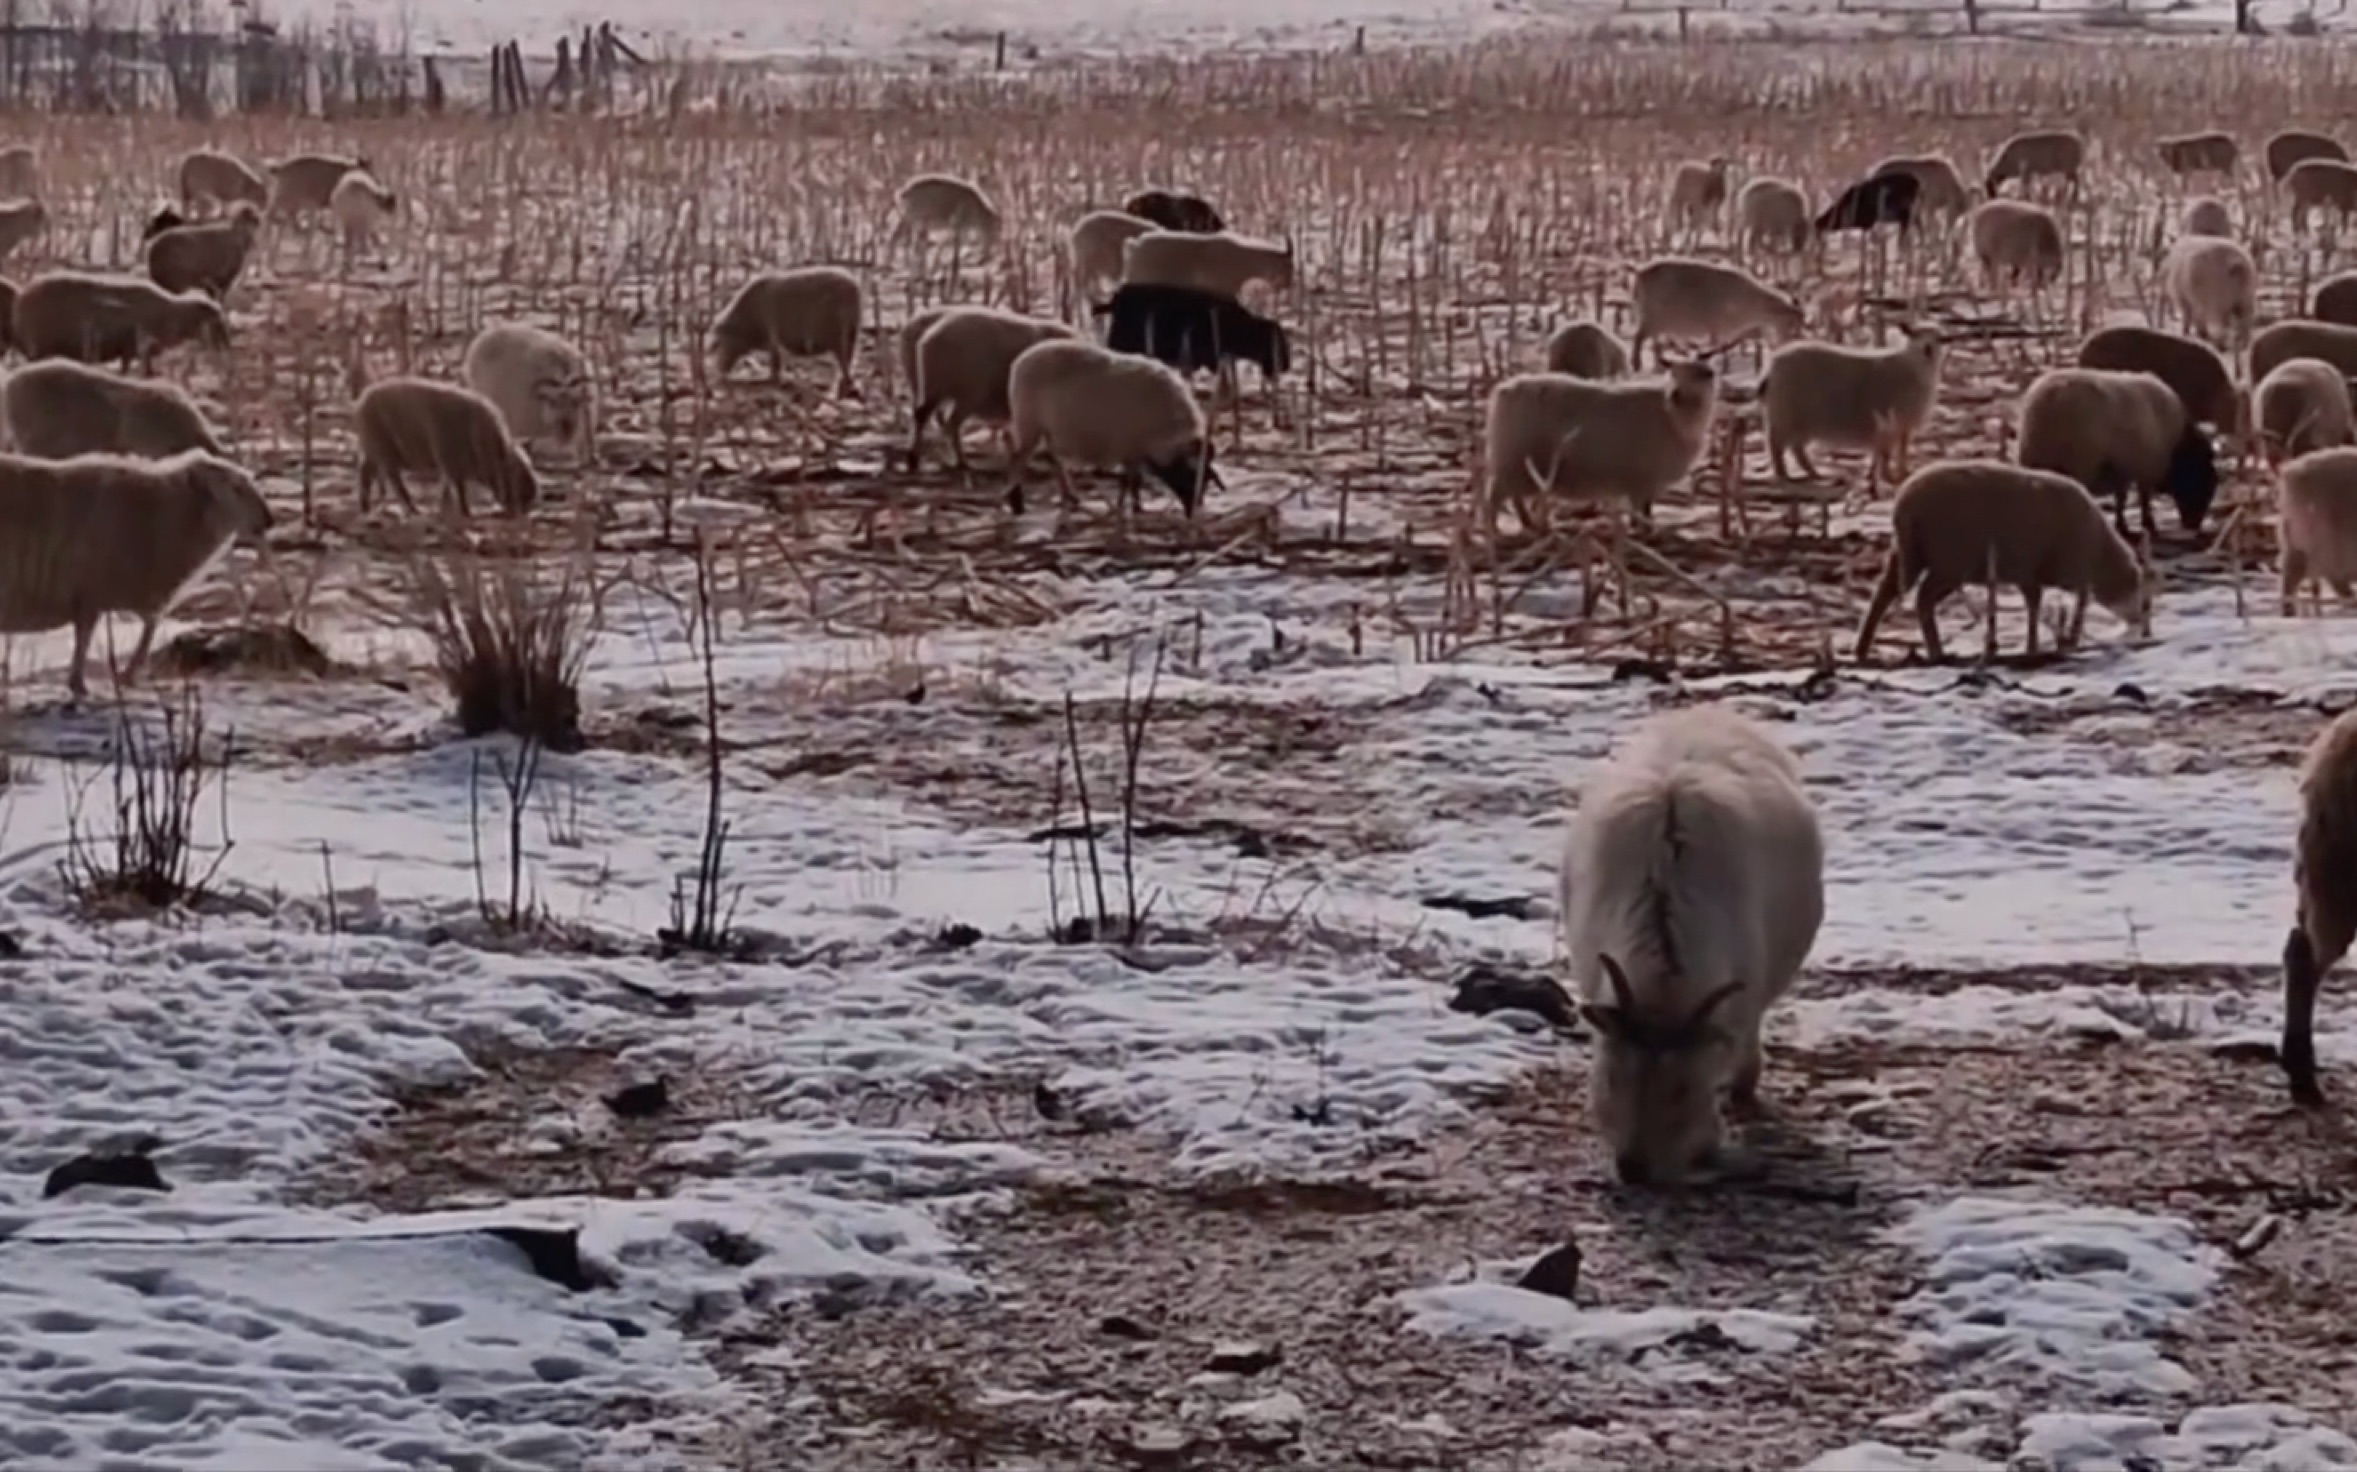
(1927, 618)
(1800, 457)
(75, 684)
(916, 437)
(2341, 587)
(955, 427)
(2297, 1051)
(2031, 596)
(2294, 572)
(845, 386)
(1776, 448)
(1743, 1090)
(2076, 632)
(138, 660)
(1903, 445)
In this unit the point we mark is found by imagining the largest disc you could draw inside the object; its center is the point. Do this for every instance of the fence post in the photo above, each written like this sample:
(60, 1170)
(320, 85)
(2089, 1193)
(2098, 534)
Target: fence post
(1972, 16)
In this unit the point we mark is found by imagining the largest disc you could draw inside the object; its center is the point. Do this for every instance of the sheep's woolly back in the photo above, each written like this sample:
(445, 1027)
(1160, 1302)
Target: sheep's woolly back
(2327, 182)
(2302, 406)
(2047, 153)
(91, 317)
(1631, 440)
(208, 175)
(1952, 521)
(2317, 512)
(58, 409)
(945, 202)
(2324, 868)
(2215, 284)
(539, 382)
(1097, 407)
(1222, 262)
(2281, 342)
(2289, 148)
(1682, 297)
(102, 534)
(418, 426)
(361, 199)
(2212, 152)
(2018, 239)
(1823, 392)
(964, 358)
(2335, 300)
(207, 256)
(1694, 859)
(807, 311)
(2205, 215)
(1098, 241)
(1940, 188)
(1774, 212)
(2192, 369)
(2089, 422)
(1586, 349)
(307, 181)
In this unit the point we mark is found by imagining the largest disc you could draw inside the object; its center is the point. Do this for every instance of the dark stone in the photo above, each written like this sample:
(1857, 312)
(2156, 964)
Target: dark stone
(129, 1170)
(1484, 988)
(553, 1252)
(1556, 1273)
(640, 1100)
(1243, 1357)
(1122, 1326)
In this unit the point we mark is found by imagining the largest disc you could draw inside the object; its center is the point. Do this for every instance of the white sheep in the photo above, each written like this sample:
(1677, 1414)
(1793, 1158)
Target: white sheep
(1586, 349)
(2324, 876)
(812, 311)
(1986, 523)
(958, 360)
(2205, 214)
(361, 206)
(1682, 299)
(94, 318)
(206, 256)
(304, 184)
(2316, 523)
(58, 409)
(935, 202)
(2214, 284)
(1860, 398)
(2280, 342)
(539, 383)
(2016, 243)
(1697, 194)
(420, 426)
(2290, 148)
(1691, 889)
(1089, 405)
(2302, 405)
(2212, 152)
(2192, 370)
(1222, 262)
(1095, 247)
(2328, 184)
(21, 222)
(100, 534)
(1774, 215)
(2114, 431)
(1552, 435)
(1940, 189)
(209, 177)
(2046, 153)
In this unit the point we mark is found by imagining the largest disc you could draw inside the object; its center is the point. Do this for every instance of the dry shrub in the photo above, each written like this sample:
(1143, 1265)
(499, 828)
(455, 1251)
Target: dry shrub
(509, 647)
(158, 778)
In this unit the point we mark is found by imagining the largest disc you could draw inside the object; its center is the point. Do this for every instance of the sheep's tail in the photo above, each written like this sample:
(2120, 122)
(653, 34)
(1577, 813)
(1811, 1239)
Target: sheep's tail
(1886, 593)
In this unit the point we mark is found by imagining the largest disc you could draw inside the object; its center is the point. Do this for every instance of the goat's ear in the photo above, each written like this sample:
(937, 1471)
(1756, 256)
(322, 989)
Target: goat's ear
(1603, 1021)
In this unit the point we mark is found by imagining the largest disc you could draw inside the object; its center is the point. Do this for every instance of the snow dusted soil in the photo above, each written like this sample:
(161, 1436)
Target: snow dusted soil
(939, 1175)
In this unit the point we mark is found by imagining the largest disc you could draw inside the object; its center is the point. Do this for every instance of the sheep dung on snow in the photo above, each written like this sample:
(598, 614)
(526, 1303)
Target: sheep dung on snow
(361, 205)
(1548, 434)
(2280, 342)
(1097, 243)
(2016, 243)
(958, 360)
(812, 311)
(2205, 214)
(1586, 349)
(2292, 147)
(2316, 523)
(2324, 876)
(1092, 406)
(2302, 406)
(538, 381)
(2111, 431)
(1774, 215)
(2335, 299)
(1682, 299)
(100, 534)
(419, 426)
(1222, 262)
(1173, 210)
(1964, 523)
(305, 183)
(58, 409)
(2047, 153)
(1872, 399)
(2212, 152)
(207, 256)
(1691, 889)
(208, 176)
(21, 221)
(2192, 369)
(931, 202)
(93, 318)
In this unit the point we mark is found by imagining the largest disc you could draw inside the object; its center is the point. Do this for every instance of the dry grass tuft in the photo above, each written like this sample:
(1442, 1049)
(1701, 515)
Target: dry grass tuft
(509, 648)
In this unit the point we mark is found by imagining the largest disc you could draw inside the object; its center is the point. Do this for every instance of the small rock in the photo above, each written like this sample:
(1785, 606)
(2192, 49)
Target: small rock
(1484, 988)
(2132, 694)
(1047, 1101)
(1244, 1357)
(640, 1100)
(1556, 1273)
(1122, 1326)
(956, 936)
(1270, 1420)
(128, 1170)
(1160, 1443)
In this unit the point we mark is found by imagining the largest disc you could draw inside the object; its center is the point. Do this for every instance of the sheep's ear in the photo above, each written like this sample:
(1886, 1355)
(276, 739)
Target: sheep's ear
(1616, 979)
(1603, 1021)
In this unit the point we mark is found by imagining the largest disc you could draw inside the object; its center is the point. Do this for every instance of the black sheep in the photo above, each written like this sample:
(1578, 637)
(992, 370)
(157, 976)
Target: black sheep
(164, 219)
(1191, 213)
(1880, 199)
(1192, 330)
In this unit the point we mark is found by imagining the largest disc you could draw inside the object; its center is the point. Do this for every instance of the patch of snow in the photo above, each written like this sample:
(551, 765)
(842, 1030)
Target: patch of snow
(1661, 1343)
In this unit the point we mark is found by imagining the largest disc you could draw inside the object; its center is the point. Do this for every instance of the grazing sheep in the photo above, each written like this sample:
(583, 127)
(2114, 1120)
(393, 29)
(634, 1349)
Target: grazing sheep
(2112, 431)
(1223, 263)
(1189, 213)
(1697, 194)
(2324, 875)
(2214, 284)
(306, 183)
(361, 206)
(2200, 153)
(210, 177)
(1989, 524)
(1860, 398)
(812, 311)
(932, 202)
(100, 534)
(1548, 434)
(2292, 147)
(539, 383)
(2316, 523)
(2302, 406)
(1680, 298)
(1691, 889)
(21, 221)
(59, 409)
(2335, 300)
(1879, 199)
(1586, 349)
(1092, 406)
(2017, 244)
(2278, 344)
(2192, 370)
(1193, 331)
(165, 218)
(1774, 215)
(208, 256)
(2050, 153)
(2328, 184)
(958, 359)
(1096, 245)
(1941, 190)
(419, 426)
(2205, 214)
(20, 172)
(92, 318)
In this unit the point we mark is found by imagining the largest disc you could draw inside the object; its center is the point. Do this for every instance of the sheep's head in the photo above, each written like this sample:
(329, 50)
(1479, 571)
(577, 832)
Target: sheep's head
(1786, 318)
(163, 219)
(565, 408)
(1195, 214)
(1653, 1082)
(1187, 472)
(518, 487)
(732, 339)
(237, 502)
(1694, 385)
(198, 318)
(2192, 478)
(246, 217)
